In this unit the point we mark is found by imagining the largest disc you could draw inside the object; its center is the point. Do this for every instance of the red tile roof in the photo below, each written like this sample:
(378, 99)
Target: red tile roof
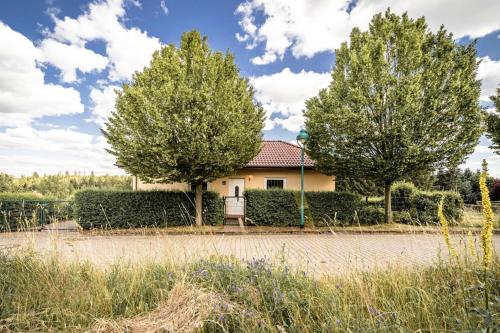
(279, 154)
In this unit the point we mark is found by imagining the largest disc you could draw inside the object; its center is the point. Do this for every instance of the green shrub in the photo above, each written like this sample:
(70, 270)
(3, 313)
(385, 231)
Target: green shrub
(339, 206)
(400, 195)
(371, 215)
(411, 205)
(125, 209)
(424, 206)
(402, 217)
(403, 189)
(272, 207)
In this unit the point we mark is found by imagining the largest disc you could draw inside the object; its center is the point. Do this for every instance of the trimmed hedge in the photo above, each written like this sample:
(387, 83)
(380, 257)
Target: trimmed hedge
(24, 210)
(339, 206)
(272, 207)
(282, 208)
(126, 209)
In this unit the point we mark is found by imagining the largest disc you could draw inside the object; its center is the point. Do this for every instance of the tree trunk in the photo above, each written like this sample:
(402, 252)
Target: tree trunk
(198, 203)
(387, 202)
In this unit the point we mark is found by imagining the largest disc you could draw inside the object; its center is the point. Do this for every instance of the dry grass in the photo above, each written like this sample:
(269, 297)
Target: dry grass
(185, 310)
(473, 217)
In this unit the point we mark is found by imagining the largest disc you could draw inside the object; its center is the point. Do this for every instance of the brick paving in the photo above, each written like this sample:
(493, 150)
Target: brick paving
(322, 254)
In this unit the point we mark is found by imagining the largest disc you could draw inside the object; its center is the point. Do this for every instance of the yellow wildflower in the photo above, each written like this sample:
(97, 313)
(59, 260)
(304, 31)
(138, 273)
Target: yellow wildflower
(444, 228)
(487, 230)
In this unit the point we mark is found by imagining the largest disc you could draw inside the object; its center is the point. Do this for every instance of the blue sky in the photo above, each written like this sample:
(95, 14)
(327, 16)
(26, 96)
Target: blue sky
(60, 62)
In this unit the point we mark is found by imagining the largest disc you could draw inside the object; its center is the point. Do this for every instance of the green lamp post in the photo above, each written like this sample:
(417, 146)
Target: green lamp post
(302, 139)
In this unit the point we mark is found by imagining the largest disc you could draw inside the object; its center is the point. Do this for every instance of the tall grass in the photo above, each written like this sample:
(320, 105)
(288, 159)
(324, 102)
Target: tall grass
(48, 295)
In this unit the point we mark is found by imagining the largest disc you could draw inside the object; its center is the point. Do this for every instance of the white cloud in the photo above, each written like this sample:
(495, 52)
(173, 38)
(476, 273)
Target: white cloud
(307, 27)
(285, 93)
(489, 73)
(164, 7)
(69, 58)
(103, 103)
(24, 95)
(265, 59)
(128, 49)
(481, 152)
(25, 149)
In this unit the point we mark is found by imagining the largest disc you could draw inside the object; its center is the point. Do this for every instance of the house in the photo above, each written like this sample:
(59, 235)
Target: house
(276, 166)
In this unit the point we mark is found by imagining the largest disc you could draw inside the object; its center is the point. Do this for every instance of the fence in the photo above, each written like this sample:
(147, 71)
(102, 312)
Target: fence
(21, 215)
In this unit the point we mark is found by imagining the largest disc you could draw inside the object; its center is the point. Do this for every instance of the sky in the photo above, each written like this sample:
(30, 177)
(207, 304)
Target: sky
(61, 62)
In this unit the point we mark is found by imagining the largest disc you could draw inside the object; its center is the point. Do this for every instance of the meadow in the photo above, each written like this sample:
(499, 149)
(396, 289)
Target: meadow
(222, 294)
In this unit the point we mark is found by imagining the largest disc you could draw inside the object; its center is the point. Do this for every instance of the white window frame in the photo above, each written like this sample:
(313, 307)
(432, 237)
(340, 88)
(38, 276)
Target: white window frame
(275, 178)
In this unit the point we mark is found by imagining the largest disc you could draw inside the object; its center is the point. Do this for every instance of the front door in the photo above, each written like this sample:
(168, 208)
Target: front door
(235, 203)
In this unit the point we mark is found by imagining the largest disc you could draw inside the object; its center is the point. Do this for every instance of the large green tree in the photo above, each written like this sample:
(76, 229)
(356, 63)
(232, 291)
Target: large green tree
(402, 101)
(188, 117)
(493, 123)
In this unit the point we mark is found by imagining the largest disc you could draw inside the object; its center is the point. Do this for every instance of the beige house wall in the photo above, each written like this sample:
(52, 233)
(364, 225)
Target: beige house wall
(256, 179)
(138, 184)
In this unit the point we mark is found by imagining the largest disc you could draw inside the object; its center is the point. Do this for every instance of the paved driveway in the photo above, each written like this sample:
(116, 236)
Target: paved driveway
(321, 254)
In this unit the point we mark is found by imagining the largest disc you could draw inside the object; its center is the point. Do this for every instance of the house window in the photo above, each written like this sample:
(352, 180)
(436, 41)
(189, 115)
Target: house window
(275, 183)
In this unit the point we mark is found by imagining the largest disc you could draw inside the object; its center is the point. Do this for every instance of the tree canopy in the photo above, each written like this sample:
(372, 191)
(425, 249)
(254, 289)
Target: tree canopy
(403, 100)
(188, 117)
(493, 123)
(63, 185)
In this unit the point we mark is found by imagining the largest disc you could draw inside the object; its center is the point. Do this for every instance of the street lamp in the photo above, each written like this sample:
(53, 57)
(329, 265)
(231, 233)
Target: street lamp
(302, 139)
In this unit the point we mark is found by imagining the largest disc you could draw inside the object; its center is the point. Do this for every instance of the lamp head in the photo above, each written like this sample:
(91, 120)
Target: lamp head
(302, 138)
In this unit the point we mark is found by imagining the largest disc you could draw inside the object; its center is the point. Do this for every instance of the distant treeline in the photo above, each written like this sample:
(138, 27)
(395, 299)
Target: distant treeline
(465, 182)
(62, 186)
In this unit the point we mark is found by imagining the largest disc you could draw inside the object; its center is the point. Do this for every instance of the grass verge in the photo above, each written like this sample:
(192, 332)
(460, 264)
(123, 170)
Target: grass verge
(225, 295)
(378, 228)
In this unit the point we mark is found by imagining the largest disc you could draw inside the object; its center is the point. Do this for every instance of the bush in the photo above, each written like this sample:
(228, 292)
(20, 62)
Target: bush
(424, 206)
(402, 217)
(371, 215)
(400, 195)
(125, 209)
(339, 206)
(24, 210)
(272, 207)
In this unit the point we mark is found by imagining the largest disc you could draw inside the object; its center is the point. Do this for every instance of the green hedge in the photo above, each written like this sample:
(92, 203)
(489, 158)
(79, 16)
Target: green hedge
(412, 206)
(282, 208)
(126, 209)
(24, 210)
(329, 206)
(272, 207)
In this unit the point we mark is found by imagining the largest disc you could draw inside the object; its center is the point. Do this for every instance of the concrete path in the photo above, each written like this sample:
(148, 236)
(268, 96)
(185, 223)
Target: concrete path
(319, 254)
